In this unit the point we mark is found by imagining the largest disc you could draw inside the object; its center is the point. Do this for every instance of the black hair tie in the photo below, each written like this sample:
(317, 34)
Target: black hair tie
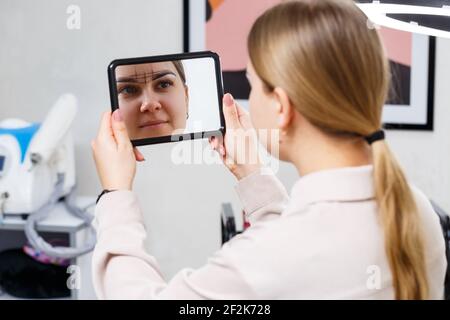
(376, 136)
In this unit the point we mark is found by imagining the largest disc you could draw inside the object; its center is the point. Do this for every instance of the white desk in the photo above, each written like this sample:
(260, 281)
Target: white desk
(61, 221)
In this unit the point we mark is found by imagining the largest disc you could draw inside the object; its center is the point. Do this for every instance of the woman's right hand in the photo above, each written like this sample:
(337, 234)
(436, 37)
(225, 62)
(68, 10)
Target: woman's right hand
(239, 148)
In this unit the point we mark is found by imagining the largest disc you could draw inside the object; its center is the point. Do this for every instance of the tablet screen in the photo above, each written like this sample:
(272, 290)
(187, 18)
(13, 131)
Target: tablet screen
(168, 99)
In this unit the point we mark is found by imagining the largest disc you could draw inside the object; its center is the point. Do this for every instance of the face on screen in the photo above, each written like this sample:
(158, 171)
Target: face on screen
(166, 98)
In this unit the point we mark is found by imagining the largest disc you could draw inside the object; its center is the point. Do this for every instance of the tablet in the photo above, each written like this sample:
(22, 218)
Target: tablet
(168, 98)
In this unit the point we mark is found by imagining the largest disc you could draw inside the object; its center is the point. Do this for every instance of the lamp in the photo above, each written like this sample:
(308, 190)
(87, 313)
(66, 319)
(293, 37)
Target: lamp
(429, 17)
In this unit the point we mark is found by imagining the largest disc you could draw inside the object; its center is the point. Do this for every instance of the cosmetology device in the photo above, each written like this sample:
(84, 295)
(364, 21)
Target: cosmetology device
(37, 170)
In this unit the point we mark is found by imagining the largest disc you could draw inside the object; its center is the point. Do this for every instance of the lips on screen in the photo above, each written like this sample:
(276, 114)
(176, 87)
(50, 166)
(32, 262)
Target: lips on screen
(168, 98)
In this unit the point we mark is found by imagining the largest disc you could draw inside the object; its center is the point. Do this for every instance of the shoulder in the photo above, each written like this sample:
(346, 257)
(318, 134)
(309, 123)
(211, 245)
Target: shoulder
(292, 255)
(266, 255)
(430, 221)
(434, 243)
(425, 208)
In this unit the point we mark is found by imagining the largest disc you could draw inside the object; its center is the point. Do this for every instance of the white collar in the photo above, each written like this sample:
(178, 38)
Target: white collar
(335, 185)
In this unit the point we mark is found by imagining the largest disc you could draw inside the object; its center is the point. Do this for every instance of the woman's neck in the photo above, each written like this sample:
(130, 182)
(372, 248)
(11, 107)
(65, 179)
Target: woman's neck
(324, 153)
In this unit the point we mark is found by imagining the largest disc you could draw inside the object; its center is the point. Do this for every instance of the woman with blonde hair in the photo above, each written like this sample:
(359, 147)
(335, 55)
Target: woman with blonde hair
(352, 227)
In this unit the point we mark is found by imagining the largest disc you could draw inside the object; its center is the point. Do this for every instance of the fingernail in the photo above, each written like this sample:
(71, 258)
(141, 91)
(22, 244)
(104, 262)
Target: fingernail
(228, 100)
(117, 115)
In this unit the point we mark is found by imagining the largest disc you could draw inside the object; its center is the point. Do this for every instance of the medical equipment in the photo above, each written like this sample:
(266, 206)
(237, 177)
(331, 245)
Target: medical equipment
(37, 169)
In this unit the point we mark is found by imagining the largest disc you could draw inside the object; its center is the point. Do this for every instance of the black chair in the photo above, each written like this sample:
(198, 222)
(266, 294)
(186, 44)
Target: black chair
(445, 225)
(228, 224)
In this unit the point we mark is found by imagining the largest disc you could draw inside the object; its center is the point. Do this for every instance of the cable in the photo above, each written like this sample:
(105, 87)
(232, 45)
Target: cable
(60, 252)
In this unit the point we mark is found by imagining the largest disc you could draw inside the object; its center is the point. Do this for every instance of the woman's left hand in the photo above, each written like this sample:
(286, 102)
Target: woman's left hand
(114, 155)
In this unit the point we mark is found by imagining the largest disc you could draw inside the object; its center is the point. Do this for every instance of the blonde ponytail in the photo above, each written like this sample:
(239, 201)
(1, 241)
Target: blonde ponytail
(404, 240)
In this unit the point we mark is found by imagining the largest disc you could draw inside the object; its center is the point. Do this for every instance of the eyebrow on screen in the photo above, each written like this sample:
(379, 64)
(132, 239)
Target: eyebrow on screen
(155, 76)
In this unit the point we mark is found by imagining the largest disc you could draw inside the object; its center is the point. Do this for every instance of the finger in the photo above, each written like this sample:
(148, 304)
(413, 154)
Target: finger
(230, 112)
(222, 150)
(105, 131)
(217, 142)
(120, 130)
(138, 155)
(244, 117)
(220, 147)
(211, 141)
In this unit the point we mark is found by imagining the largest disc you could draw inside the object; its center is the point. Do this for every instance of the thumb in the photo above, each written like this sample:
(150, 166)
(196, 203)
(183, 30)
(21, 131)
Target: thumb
(244, 117)
(138, 155)
(230, 112)
(119, 129)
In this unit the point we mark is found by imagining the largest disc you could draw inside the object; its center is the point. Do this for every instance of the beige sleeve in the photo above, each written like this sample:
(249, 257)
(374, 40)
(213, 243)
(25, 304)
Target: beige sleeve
(262, 195)
(122, 269)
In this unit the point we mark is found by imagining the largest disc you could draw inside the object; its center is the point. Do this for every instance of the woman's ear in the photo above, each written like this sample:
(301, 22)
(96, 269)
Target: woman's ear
(284, 108)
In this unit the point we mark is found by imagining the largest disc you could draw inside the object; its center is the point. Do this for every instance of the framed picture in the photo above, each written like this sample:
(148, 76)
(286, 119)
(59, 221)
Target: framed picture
(222, 26)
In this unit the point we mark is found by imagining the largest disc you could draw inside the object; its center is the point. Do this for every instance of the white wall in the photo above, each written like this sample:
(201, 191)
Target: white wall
(40, 59)
(426, 155)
